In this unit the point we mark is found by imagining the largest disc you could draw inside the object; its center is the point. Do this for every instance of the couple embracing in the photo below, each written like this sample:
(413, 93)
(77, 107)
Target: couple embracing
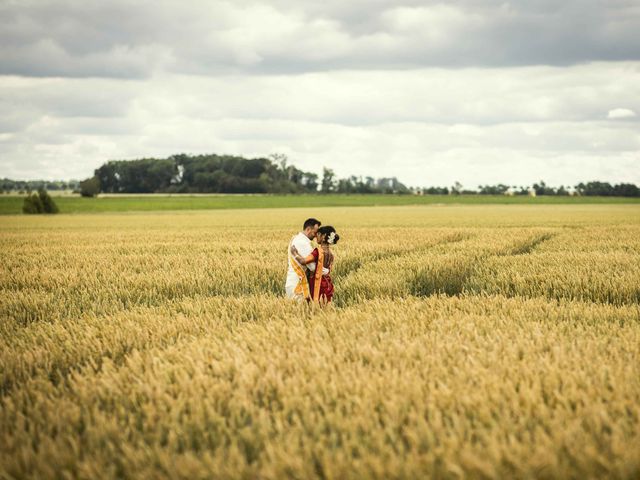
(309, 274)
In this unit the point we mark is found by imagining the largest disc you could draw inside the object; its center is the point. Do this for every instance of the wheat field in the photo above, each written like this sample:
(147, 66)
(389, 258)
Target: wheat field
(464, 342)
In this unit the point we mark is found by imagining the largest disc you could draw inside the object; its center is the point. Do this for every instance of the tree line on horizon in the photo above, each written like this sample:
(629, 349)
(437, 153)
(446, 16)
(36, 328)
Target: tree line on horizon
(225, 174)
(28, 186)
(232, 174)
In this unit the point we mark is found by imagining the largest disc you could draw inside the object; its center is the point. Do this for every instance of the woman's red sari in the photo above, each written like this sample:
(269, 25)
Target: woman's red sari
(323, 293)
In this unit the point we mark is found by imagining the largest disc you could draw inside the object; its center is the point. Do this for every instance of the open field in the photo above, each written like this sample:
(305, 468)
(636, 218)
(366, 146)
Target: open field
(494, 341)
(12, 204)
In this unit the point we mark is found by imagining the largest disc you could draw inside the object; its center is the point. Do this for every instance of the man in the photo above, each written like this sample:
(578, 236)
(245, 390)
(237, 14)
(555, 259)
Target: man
(297, 283)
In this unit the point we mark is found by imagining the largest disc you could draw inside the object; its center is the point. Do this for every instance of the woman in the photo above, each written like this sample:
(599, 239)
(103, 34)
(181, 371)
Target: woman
(320, 284)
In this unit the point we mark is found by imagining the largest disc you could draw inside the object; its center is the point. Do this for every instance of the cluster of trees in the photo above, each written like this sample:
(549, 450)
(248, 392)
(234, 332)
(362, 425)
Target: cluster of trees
(538, 188)
(39, 202)
(605, 189)
(353, 184)
(224, 174)
(587, 189)
(22, 186)
(201, 174)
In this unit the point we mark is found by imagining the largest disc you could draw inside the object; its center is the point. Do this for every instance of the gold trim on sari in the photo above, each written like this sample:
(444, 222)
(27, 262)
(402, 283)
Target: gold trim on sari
(318, 275)
(303, 285)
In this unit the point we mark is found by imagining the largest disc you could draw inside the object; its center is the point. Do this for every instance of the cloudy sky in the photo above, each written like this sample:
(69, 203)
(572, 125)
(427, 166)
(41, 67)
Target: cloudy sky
(431, 92)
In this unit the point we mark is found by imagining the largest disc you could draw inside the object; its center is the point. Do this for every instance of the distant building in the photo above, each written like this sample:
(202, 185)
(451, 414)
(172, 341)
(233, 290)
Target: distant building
(532, 192)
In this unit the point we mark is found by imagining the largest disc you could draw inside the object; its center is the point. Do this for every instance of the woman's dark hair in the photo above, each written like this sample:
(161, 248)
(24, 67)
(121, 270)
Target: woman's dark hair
(328, 230)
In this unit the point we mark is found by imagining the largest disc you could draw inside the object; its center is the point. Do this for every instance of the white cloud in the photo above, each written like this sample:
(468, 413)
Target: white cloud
(126, 39)
(428, 91)
(427, 126)
(621, 113)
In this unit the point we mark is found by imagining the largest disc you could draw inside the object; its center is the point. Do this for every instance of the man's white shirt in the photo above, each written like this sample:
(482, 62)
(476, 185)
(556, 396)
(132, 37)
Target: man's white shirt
(304, 247)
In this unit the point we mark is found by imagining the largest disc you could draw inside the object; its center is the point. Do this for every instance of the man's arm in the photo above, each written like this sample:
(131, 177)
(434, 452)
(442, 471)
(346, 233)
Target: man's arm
(303, 250)
(300, 259)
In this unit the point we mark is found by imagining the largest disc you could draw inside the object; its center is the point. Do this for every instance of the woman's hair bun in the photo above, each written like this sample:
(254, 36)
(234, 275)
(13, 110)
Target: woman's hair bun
(332, 236)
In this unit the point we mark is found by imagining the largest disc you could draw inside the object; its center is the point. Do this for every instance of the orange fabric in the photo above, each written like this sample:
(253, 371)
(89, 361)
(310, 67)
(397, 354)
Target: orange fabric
(303, 284)
(318, 275)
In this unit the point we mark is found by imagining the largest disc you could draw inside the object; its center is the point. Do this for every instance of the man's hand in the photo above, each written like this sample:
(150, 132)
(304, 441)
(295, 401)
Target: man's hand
(297, 256)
